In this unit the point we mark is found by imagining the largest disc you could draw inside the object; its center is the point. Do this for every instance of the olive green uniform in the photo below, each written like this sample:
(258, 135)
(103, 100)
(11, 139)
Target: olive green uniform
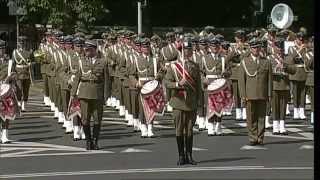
(281, 86)
(89, 88)
(184, 101)
(256, 88)
(309, 66)
(299, 78)
(22, 65)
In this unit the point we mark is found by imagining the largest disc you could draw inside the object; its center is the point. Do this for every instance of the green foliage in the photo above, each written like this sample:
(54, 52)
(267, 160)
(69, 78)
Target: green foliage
(64, 13)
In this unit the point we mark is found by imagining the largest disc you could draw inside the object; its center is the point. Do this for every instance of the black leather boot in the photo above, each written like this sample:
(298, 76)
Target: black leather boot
(87, 132)
(96, 132)
(180, 143)
(189, 144)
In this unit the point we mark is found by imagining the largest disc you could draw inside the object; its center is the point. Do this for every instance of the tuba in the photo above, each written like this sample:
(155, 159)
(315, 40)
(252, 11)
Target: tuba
(282, 16)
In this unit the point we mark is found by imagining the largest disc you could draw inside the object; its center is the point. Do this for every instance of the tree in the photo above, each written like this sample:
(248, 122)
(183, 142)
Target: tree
(64, 14)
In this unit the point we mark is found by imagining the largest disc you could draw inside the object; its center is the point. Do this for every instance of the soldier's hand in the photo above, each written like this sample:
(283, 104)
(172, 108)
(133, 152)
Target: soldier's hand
(138, 85)
(205, 82)
(182, 82)
(269, 99)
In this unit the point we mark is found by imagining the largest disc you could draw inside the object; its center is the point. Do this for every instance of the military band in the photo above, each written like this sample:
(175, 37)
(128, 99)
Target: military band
(86, 72)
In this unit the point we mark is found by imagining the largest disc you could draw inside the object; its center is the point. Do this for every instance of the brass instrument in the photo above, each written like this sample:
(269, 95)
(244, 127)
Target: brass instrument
(39, 56)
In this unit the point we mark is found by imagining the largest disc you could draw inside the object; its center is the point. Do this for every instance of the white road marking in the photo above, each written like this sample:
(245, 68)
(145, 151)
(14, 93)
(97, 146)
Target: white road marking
(226, 130)
(247, 147)
(242, 124)
(307, 147)
(269, 134)
(130, 150)
(153, 170)
(294, 130)
(199, 149)
(307, 134)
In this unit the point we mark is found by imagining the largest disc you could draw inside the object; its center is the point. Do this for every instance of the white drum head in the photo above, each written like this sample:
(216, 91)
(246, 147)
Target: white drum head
(149, 87)
(4, 88)
(216, 84)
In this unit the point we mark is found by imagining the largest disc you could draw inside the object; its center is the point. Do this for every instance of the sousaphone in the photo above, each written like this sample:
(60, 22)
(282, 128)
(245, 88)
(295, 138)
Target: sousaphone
(282, 16)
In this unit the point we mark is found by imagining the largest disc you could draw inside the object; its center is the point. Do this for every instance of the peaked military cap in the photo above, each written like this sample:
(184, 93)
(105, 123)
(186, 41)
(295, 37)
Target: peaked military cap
(203, 40)
(155, 37)
(68, 39)
(240, 33)
(145, 42)
(78, 41)
(187, 42)
(90, 44)
(254, 43)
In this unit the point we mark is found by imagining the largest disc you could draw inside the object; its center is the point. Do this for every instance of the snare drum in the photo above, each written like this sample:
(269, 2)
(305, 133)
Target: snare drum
(8, 102)
(153, 99)
(219, 97)
(74, 108)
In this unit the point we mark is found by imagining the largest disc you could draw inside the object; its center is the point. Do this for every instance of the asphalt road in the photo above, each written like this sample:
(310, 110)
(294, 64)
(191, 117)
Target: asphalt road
(41, 150)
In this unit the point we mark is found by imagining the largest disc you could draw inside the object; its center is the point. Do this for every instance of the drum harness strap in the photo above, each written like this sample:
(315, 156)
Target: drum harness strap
(138, 69)
(21, 57)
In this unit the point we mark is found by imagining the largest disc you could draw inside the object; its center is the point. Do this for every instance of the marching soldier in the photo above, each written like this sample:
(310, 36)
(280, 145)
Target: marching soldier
(43, 60)
(21, 64)
(4, 128)
(297, 53)
(309, 66)
(240, 50)
(169, 53)
(76, 55)
(203, 52)
(64, 56)
(89, 88)
(144, 69)
(183, 79)
(213, 67)
(255, 83)
(270, 40)
(281, 68)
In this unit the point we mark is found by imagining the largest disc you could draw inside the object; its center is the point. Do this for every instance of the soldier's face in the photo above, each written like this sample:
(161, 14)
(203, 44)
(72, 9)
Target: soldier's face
(145, 50)
(215, 48)
(203, 47)
(68, 46)
(255, 51)
(188, 52)
(78, 49)
(90, 52)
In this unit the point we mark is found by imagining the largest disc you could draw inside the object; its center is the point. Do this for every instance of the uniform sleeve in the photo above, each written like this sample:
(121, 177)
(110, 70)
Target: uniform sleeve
(289, 65)
(132, 75)
(270, 83)
(242, 82)
(75, 83)
(107, 81)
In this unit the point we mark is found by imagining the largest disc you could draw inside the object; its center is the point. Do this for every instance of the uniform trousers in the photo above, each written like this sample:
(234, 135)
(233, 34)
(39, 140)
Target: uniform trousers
(256, 111)
(299, 93)
(23, 86)
(91, 108)
(184, 122)
(279, 104)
